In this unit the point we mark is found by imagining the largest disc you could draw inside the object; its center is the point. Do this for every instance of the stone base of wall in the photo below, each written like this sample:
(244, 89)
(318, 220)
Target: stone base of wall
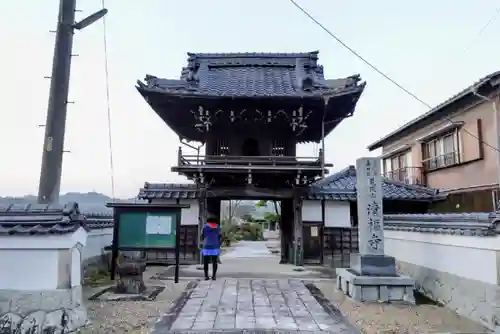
(473, 299)
(48, 311)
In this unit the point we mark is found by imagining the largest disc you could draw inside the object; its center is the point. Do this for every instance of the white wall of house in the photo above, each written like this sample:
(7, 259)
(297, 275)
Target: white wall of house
(337, 214)
(189, 216)
(39, 262)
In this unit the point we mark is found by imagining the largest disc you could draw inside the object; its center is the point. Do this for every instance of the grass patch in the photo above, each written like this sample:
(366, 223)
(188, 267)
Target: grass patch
(98, 277)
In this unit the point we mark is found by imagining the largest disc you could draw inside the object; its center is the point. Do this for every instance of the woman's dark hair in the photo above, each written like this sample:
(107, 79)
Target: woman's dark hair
(212, 219)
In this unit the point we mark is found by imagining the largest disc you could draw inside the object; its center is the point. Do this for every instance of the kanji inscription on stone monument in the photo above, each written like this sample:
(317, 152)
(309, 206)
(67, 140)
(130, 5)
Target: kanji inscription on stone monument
(370, 215)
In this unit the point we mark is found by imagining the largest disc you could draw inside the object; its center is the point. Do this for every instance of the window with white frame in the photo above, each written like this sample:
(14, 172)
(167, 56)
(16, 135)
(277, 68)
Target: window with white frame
(395, 166)
(441, 151)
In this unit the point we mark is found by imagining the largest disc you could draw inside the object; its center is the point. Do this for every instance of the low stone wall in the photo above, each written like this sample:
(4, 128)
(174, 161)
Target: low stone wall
(453, 258)
(48, 311)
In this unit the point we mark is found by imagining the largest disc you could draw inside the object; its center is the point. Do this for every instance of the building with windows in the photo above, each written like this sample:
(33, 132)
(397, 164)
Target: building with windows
(453, 147)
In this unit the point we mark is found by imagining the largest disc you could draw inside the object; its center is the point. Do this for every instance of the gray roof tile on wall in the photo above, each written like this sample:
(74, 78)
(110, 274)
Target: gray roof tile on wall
(40, 219)
(253, 74)
(467, 224)
(99, 220)
(342, 186)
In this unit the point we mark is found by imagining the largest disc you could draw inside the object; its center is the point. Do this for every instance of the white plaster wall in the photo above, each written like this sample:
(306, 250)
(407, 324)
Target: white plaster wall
(32, 262)
(465, 256)
(189, 216)
(76, 267)
(337, 214)
(28, 269)
(96, 241)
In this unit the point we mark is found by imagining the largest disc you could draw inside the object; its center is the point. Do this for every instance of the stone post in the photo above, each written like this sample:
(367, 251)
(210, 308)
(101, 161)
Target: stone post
(372, 276)
(371, 260)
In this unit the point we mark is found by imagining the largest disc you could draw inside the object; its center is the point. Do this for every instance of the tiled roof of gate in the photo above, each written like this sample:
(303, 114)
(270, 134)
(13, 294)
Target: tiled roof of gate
(252, 74)
(40, 219)
(341, 186)
(168, 191)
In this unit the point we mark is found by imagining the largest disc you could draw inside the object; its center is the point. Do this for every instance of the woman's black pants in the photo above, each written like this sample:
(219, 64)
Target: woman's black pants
(210, 259)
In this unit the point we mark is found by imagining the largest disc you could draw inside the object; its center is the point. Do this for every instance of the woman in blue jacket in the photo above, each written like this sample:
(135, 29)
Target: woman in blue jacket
(211, 236)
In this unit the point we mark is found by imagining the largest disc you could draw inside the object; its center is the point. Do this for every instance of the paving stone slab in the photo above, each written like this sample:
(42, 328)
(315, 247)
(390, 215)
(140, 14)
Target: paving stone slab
(254, 306)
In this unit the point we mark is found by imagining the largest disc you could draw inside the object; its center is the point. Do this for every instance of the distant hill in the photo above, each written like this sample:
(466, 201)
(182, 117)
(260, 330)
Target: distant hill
(88, 202)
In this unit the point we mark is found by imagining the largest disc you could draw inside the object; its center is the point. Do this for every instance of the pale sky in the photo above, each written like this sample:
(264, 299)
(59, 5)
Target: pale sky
(418, 43)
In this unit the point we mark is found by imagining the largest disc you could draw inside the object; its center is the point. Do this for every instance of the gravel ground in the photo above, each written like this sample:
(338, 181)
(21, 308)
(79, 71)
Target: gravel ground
(129, 317)
(393, 318)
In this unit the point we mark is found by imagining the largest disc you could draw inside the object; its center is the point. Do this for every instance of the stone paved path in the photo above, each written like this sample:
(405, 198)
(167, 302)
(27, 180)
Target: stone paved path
(249, 249)
(237, 306)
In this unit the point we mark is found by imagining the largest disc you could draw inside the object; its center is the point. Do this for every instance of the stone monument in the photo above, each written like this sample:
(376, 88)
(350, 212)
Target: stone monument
(372, 276)
(130, 270)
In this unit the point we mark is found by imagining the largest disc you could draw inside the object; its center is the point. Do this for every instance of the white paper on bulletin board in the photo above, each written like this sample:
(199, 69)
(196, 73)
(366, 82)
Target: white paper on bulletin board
(158, 224)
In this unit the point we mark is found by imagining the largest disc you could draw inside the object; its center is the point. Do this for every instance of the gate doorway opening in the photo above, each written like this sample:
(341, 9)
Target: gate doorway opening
(256, 220)
(250, 147)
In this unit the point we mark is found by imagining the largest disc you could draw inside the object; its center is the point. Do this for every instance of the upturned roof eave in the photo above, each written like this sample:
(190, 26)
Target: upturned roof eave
(202, 96)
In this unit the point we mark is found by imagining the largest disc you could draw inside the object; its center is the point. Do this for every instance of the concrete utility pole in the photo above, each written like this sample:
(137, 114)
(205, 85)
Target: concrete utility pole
(55, 126)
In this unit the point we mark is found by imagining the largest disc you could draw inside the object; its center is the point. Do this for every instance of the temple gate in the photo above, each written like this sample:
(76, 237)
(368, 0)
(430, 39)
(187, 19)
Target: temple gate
(250, 110)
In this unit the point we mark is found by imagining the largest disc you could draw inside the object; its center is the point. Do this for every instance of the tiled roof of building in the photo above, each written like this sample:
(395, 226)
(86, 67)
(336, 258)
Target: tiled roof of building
(251, 75)
(40, 219)
(168, 191)
(491, 80)
(342, 186)
(99, 220)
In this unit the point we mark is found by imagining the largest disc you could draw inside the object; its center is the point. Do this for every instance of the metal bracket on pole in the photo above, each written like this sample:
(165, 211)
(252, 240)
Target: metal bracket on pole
(90, 19)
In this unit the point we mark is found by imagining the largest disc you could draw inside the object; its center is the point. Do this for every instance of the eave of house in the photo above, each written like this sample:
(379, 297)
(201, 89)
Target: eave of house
(441, 111)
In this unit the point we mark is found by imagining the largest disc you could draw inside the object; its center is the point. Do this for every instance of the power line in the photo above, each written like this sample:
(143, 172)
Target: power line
(108, 104)
(484, 27)
(382, 73)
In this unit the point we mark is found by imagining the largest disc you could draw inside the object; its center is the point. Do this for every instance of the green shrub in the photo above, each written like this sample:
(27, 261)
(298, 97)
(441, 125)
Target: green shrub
(247, 232)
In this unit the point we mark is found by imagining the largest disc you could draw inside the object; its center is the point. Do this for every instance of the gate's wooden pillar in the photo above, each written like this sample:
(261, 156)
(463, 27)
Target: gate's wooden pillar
(298, 248)
(287, 231)
(202, 217)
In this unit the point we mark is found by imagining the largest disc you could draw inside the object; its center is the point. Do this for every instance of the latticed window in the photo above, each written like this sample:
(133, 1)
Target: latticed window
(222, 147)
(279, 147)
(441, 152)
